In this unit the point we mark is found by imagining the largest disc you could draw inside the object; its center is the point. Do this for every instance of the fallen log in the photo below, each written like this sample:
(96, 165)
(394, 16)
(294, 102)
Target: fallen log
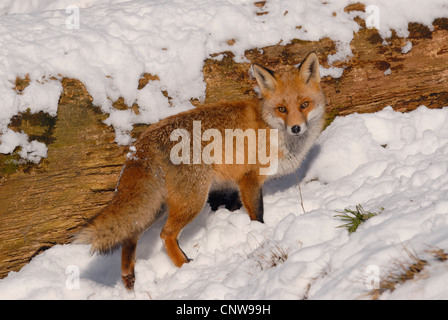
(43, 205)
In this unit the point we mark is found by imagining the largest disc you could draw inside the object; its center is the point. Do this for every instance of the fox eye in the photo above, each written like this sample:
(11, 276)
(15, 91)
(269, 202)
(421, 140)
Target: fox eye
(305, 105)
(281, 109)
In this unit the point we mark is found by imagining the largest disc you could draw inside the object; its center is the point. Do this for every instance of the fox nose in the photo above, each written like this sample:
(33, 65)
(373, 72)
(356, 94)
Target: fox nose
(295, 129)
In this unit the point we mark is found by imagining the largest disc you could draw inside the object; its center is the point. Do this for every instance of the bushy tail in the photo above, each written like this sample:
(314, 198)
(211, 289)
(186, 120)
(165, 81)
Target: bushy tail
(104, 232)
(138, 204)
(111, 228)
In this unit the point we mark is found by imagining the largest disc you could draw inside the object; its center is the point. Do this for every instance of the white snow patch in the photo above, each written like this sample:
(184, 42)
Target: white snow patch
(407, 47)
(333, 72)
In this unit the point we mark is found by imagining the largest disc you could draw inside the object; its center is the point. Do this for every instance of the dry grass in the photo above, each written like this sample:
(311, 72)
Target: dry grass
(406, 270)
(322, 274)
(271, 258)
(438, 254)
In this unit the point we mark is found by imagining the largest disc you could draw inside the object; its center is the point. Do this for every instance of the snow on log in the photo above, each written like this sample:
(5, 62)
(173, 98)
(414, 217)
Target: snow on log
(44, 204)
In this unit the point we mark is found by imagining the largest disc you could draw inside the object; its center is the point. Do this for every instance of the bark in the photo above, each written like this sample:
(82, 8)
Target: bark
(43, 205)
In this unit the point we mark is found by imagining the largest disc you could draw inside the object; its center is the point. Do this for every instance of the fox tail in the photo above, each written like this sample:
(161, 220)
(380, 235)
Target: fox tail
(137, 204)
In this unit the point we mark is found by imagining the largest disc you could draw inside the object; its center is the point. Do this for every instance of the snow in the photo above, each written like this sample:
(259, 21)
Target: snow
(407, 47)
(109, 44)
(333, 72)
(384, 160)
(397, 162)
(26, 6)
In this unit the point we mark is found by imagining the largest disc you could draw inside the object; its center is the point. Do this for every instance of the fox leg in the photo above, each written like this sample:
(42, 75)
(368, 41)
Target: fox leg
(128, 253)
(183, 208)
(252, 196)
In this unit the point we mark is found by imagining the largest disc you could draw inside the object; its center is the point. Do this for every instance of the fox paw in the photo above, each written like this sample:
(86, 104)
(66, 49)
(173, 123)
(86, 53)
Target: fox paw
(129, 281)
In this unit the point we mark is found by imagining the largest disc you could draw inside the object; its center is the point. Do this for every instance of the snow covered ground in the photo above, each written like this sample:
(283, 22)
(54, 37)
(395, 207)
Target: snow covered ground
(385, 160)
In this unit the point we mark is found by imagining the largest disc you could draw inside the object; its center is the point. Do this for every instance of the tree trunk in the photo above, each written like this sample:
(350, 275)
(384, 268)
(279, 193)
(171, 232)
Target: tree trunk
(42, 205)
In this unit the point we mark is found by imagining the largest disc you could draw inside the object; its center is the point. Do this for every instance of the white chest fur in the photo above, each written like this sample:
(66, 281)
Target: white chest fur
(293, 149)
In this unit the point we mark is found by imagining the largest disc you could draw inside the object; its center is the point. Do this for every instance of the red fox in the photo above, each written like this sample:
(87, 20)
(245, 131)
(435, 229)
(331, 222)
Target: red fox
(155, 179)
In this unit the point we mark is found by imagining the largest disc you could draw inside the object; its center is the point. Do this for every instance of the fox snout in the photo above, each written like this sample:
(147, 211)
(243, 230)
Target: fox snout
(296, 129)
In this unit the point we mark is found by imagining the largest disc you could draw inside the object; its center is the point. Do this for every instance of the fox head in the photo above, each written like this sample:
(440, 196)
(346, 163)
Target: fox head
(292, 99)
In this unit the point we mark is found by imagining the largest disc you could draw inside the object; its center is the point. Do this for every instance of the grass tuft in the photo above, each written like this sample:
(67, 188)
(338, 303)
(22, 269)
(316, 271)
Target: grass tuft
(438, 254)
(402, 271)
(354, 218)
(271, 258)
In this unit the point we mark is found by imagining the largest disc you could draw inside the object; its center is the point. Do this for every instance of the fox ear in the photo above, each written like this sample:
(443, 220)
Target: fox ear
(309, 69)
(265, 79)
